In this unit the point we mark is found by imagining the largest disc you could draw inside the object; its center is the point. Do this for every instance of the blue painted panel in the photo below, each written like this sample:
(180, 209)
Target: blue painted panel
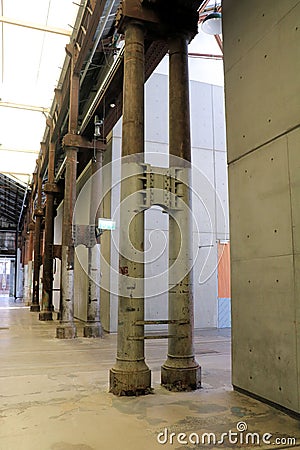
(224, 312)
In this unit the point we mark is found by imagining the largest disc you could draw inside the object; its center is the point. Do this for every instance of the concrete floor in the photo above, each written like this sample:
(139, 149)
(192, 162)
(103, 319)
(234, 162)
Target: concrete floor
(54, 395)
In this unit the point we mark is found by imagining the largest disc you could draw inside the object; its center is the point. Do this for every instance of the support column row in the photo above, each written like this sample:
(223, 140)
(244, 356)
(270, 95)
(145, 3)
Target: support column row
(131, 375)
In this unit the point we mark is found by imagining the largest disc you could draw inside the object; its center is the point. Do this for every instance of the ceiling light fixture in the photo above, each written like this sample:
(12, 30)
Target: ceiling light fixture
(212, 24)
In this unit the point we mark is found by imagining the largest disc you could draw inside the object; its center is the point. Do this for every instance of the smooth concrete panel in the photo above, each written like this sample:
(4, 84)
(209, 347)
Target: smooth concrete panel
(260, 217)
(222, 208)
(82, 217)
(205, 280)
(105, 240)
(156, 267)
(157, 154)
(294, 170)
(114, 244)
(203, 189)
(201, 111)
(219, 118)
(117, 130)
(264, 329)
(156, 250)
(156, 219)
(262, 88)
(58, 224)
(297, 316)
(156, 308)
(156, 110)
(205, 257)
(56, 284)
(156, 270)
(252, 22)
(206, 305)
(57, 264)
(81, 283)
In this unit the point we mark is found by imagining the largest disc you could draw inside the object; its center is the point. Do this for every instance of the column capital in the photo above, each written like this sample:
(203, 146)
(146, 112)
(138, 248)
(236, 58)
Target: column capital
(134, 10)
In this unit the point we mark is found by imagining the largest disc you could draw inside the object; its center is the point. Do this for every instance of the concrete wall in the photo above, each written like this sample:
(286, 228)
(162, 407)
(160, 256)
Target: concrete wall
(105, 303)
(261, 49)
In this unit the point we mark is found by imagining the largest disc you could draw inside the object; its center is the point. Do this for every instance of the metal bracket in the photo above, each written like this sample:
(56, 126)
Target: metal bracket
(162, 322)
(75, 140)
(84, 235)
(162, 186)
(156, 336)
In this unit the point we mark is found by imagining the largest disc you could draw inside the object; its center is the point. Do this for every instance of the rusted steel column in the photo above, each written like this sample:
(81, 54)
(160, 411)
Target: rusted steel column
(131, 375)
(49, 189)
(67, 328)
(93, 326)
(38, 213)
(26, 255)
(181, 371)
(31, 228)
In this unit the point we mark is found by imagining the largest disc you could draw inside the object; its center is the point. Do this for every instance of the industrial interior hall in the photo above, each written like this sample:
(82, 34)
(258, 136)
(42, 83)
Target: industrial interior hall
(149, 251)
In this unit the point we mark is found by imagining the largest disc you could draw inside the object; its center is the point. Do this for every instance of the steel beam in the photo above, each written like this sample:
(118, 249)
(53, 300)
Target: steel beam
(19, 150)
(34, 26)
(180, 372)
(23, 106)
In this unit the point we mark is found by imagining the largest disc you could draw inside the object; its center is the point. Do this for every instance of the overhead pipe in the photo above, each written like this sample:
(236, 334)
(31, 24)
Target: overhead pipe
(205, 56)
(60, 170)
(98, 37)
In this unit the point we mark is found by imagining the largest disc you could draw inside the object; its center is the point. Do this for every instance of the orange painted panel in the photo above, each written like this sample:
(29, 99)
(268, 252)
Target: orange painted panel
(224, 271)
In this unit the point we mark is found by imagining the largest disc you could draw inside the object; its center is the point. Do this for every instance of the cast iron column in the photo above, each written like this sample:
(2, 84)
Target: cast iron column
(180, 371)
(93, 326)
(26, 244)
(30, 262)
(49, 189)
(131, 375)
(38, 212)
(67, 328)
